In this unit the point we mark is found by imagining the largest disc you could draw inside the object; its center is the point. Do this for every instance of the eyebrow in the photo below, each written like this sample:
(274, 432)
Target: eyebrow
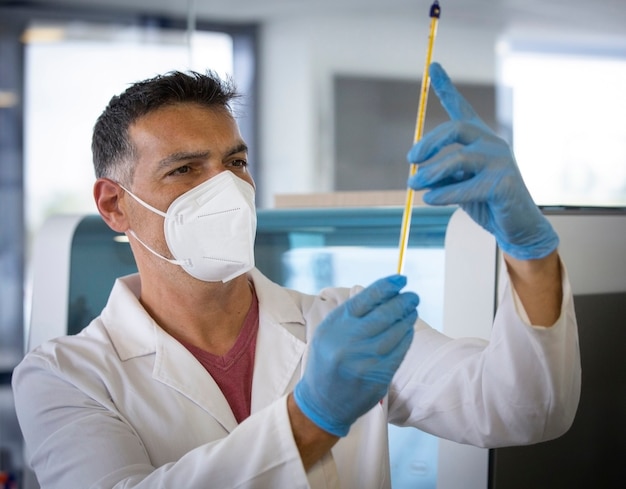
(238, 148)
(193, 155)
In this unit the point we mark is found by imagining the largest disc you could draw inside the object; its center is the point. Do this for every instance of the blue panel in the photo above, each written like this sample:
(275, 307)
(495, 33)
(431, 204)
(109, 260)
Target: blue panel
(97, 259)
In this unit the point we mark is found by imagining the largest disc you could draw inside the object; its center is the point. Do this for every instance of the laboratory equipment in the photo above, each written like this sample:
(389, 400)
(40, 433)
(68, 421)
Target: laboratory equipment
(435, 12)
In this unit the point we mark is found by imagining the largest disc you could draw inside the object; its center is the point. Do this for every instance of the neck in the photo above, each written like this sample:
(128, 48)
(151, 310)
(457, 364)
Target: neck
(208, 315)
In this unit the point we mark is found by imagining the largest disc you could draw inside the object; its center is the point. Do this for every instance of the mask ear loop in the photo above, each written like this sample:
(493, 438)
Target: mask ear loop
(182, 263)
(145, 204)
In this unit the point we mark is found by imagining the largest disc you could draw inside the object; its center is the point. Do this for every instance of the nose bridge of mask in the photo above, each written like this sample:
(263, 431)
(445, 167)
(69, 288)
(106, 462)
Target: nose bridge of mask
(200, 194)
(217, 185)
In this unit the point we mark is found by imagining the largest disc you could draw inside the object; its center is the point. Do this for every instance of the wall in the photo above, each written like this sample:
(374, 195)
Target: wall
(299, 59)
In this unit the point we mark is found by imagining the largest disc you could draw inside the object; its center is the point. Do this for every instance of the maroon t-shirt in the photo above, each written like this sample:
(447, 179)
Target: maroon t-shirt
(233, 372)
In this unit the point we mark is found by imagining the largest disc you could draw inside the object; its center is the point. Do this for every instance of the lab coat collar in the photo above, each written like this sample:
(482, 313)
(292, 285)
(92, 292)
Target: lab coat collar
(130, 327)
(281, 339)
(135, 334)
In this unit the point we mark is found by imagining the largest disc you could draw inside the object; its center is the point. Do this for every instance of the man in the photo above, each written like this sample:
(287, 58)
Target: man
(200, 372)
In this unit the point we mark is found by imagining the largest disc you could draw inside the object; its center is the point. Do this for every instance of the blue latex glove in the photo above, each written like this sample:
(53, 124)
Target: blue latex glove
(463, 162)
(354, 354)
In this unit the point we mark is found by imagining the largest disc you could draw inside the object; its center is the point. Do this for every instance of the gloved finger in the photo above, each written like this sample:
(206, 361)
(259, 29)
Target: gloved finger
(457, 107)
(385, 315)
(370, 297)
(395, 336)
(453, 167)
(442, 136)
(380, 368)
(464, 192)
(401, 309)
(398, 352)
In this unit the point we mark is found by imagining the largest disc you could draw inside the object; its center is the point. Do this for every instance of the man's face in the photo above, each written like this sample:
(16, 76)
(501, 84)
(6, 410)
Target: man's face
(177, 148)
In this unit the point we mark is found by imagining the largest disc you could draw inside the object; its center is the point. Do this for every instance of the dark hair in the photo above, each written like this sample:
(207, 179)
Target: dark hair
(110, 145)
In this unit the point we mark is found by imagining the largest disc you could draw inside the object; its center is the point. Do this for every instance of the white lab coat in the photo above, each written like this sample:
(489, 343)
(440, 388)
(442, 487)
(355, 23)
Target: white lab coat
(123, 404)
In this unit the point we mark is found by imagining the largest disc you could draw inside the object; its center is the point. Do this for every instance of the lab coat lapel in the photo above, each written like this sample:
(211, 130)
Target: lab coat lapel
(176, 367)
(135, 334)
(280, 343)
(277, 362)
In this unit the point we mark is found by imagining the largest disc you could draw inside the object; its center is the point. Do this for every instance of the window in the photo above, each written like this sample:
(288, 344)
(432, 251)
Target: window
(565, 106)
(71, 71)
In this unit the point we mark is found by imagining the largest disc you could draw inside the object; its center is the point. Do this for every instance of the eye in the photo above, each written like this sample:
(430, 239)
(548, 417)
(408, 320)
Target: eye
(181, 170)
(239, 163)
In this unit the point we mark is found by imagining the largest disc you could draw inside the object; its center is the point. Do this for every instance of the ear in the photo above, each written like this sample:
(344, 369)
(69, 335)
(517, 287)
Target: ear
(107, 195)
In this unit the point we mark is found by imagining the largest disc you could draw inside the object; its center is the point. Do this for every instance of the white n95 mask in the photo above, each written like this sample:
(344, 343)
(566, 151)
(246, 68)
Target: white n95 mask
(210, 229)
